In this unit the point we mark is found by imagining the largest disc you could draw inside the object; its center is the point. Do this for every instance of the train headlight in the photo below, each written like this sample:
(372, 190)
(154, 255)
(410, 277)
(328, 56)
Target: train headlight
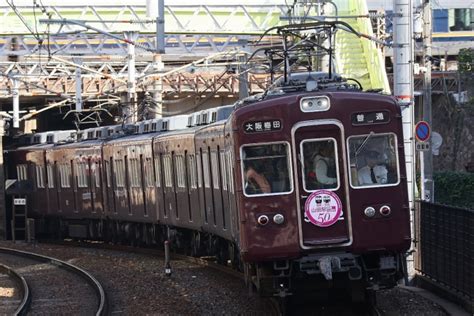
(385, 210)
(314, 104)
(263, 220)
(369, 211)
(278, 219)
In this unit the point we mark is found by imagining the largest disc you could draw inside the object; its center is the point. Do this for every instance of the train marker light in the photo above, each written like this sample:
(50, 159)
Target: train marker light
(385, 210)
(369, 211)
(263, 220)
(314, 104)
(278, 219)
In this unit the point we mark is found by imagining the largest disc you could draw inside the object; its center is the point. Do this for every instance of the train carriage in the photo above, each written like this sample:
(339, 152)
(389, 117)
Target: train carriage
(363, 231)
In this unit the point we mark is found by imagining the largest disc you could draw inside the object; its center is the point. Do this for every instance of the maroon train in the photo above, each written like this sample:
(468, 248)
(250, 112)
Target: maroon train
(192, 185)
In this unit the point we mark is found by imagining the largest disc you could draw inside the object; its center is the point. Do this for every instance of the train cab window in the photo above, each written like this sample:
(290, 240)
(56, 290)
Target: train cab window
(266, 169)
(39, 177)
(373, 160)
(320, 167)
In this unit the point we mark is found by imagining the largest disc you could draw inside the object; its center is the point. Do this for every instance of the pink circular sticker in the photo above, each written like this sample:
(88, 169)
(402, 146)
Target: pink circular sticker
(323, 208)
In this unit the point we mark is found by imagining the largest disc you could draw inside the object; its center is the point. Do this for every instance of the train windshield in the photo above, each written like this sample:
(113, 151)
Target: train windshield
(373, 160)
(266, 169)
(320, 169)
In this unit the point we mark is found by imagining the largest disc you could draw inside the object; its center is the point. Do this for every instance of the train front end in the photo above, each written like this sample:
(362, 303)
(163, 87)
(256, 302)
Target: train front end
(322, 196)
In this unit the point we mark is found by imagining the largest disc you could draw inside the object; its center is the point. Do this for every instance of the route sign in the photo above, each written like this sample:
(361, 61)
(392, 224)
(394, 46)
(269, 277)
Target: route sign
(422, 131)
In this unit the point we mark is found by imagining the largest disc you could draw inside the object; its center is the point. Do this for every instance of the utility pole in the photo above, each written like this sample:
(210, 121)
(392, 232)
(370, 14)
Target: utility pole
(16, 102)
(426, 157)
(78, 85)
(131, 115)
(403, 56)
(159, 13)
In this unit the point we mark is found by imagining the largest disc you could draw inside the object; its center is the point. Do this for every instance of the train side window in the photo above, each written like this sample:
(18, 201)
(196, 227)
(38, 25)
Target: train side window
(50, 176)
(158, 171)
(373, 160)
(320, 169)
(22, 172)
(192, 171)
(134, 173)
(81, 172)
(199, 168)
(65, 175)
(96, 168)
(180, 175)
(230, 171)
(39, 177)
(148, 169)
(266, 169)
(205, 169)
(215, 169)
(108, 174)
(224, 172)
(167, 171)
(119, 173)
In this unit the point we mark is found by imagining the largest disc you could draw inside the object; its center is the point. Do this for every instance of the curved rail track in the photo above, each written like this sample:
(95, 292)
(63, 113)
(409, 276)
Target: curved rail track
(22, 286)
(25, 304)
(275, 305)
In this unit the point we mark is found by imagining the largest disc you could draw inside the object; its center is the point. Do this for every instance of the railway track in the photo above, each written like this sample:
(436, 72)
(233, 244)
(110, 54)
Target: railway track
(52, 286)
(14, 302)
(275, 306)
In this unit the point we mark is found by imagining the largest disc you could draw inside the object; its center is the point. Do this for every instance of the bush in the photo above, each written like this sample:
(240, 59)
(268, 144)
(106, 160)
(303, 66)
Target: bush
(454, 189)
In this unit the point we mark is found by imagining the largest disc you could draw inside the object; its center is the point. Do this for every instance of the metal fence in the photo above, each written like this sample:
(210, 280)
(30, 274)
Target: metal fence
(446, 247)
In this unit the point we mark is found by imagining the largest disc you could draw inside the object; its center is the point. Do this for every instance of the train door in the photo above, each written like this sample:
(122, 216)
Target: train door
(149, 186)
(170, 209)
(324, 212)
(52, 191)
(120, 192)
(97, 200)
(135, 185)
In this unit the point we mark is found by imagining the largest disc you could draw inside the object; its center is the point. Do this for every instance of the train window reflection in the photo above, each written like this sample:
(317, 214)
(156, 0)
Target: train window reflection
(373, 160)
(320, 168)
(266, 169)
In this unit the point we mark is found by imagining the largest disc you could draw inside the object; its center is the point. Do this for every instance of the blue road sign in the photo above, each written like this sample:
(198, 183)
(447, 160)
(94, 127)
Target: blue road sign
(422, 131)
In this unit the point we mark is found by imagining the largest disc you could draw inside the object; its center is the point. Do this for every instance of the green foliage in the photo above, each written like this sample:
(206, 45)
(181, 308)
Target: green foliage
(454, 189)
(466, 61)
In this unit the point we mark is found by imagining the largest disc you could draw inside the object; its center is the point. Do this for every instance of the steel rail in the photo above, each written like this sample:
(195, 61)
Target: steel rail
(24, 289)
(102, 306)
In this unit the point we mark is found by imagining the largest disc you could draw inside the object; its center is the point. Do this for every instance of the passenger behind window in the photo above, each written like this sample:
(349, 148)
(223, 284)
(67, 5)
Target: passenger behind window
(255, 181)
(374, 172)
(324, 167)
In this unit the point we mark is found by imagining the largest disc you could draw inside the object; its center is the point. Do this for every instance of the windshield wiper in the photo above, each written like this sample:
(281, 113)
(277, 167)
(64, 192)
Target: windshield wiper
(363, 143)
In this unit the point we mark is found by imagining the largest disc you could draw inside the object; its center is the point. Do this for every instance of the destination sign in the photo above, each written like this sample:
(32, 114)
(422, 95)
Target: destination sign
(262, 126)
(365, 118)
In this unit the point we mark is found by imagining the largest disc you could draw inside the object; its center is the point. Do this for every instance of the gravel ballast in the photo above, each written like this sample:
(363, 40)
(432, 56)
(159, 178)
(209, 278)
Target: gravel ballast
(136, 284)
